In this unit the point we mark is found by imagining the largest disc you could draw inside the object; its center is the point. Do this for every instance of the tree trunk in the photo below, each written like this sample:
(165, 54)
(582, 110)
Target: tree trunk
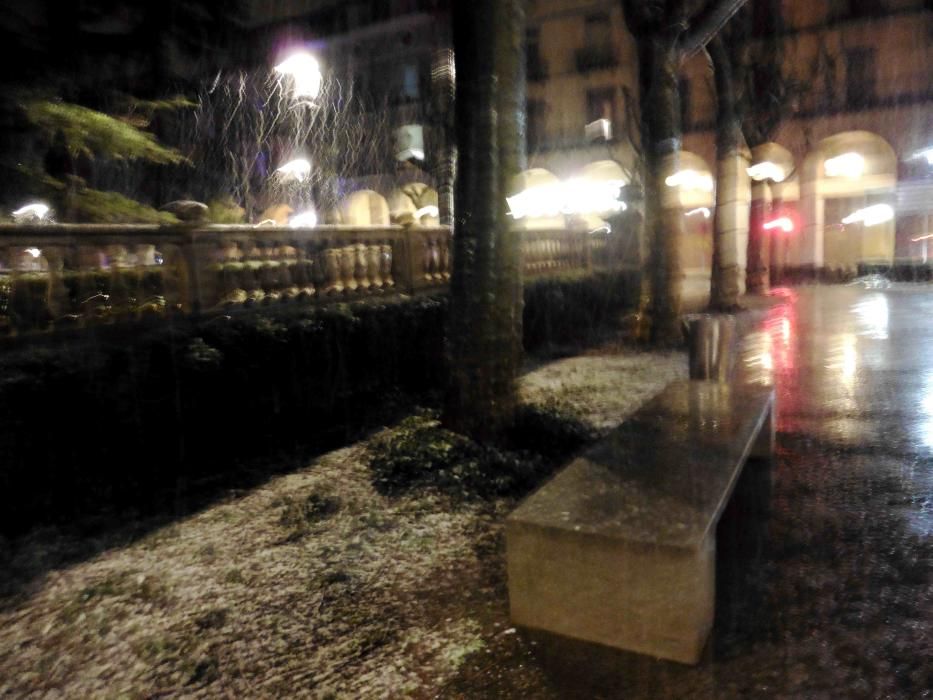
(510, 72)
(757, 273)
(664, 222)
(484, 334)
(731, 181)
(442, 88)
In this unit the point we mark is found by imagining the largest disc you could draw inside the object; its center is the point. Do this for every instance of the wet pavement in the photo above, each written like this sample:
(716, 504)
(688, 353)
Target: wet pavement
(853, 370)
(825, 570)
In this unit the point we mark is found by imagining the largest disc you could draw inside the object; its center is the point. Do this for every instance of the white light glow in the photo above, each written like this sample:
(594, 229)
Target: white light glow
(701, 210)
(34, 252)
(304, 219)
(410, 154)
(850, 165)
(691, 180)
(305, 72)
(784, 223)
(766, 170)
(872, 316)
(871, 216)
(429, 210)
(36, 209)
(298, 169)
(575, 196)
(926, 153)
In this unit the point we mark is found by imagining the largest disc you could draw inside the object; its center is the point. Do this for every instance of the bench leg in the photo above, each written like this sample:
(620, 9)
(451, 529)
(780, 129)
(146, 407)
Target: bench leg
(763, 448)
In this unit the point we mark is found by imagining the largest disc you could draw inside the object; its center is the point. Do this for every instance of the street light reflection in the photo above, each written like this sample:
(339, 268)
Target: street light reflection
(843, 358)
(770, 351)
(925, 425)
(872, 317)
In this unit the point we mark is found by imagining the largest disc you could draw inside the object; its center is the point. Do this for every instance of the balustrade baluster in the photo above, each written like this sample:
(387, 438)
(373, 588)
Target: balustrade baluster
(386, 261)
(59, 301)
(436, 275)
(5, 290)
(360, 269)
(333, 283)
(347, 256)
(373, 271)
(445, 257)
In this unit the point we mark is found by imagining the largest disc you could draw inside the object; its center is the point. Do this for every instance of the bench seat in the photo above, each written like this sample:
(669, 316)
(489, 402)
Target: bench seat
(619, 547)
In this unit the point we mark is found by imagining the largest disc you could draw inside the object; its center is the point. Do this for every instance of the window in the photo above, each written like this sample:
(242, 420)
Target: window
(860, 77)
(534, 125)
(534, 64)
(597, 30)
(600, 104)
(840, 10)
(409, 86)
(598, 52)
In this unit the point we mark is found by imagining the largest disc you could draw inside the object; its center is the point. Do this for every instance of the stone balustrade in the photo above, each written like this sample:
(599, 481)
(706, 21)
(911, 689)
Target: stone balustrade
(77, 275)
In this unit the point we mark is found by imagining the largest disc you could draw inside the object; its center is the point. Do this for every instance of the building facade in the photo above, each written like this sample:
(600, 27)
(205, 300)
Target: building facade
(861, 82)
(863, 86)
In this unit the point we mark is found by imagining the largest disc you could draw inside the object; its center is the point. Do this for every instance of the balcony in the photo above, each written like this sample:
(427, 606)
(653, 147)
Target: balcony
(593, 58)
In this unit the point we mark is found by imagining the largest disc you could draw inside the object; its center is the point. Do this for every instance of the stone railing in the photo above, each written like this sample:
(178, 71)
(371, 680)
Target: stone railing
(77, 275)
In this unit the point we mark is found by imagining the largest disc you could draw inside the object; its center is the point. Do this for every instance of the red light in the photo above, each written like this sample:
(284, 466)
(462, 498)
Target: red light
(783, 223)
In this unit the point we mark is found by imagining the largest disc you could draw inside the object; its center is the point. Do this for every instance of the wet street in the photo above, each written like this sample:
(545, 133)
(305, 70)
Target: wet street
(834, 596)
(854, 376)
(825, 569)
(849, 605)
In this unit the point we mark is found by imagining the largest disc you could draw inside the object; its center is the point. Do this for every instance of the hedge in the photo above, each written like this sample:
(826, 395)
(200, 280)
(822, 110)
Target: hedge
(133, 417)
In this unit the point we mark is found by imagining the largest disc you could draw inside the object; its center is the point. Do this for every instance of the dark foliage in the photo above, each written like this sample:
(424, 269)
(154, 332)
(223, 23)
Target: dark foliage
(136, 418)
(576, 309)
(424, 454)
(158, 416)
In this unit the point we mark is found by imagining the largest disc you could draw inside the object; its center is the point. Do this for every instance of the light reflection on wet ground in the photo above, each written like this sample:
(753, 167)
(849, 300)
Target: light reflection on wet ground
(854, 366)
(824, 561)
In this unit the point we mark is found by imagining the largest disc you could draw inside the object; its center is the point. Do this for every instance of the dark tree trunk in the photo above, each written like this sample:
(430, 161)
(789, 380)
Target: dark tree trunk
(756, 276)
(730, 145)
(510, 73)
(484, 336)
(666, 32)
(664, 224)
(443, 91)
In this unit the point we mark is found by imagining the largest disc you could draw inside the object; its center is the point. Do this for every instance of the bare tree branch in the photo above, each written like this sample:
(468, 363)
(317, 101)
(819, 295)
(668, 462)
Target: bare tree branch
(707, 24)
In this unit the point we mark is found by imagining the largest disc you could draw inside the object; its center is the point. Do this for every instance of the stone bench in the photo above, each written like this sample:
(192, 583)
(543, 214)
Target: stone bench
(619, 547)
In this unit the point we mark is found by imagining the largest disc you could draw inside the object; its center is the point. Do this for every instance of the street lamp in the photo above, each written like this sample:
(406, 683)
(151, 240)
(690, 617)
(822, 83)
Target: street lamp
(305, 219)
(924, 154)
(690, 180)
(871, 216)
(850, 165)
(305, 72)
(35, 212)
(784, 223)
(570, 197)
(766, 170)
(298, 169)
